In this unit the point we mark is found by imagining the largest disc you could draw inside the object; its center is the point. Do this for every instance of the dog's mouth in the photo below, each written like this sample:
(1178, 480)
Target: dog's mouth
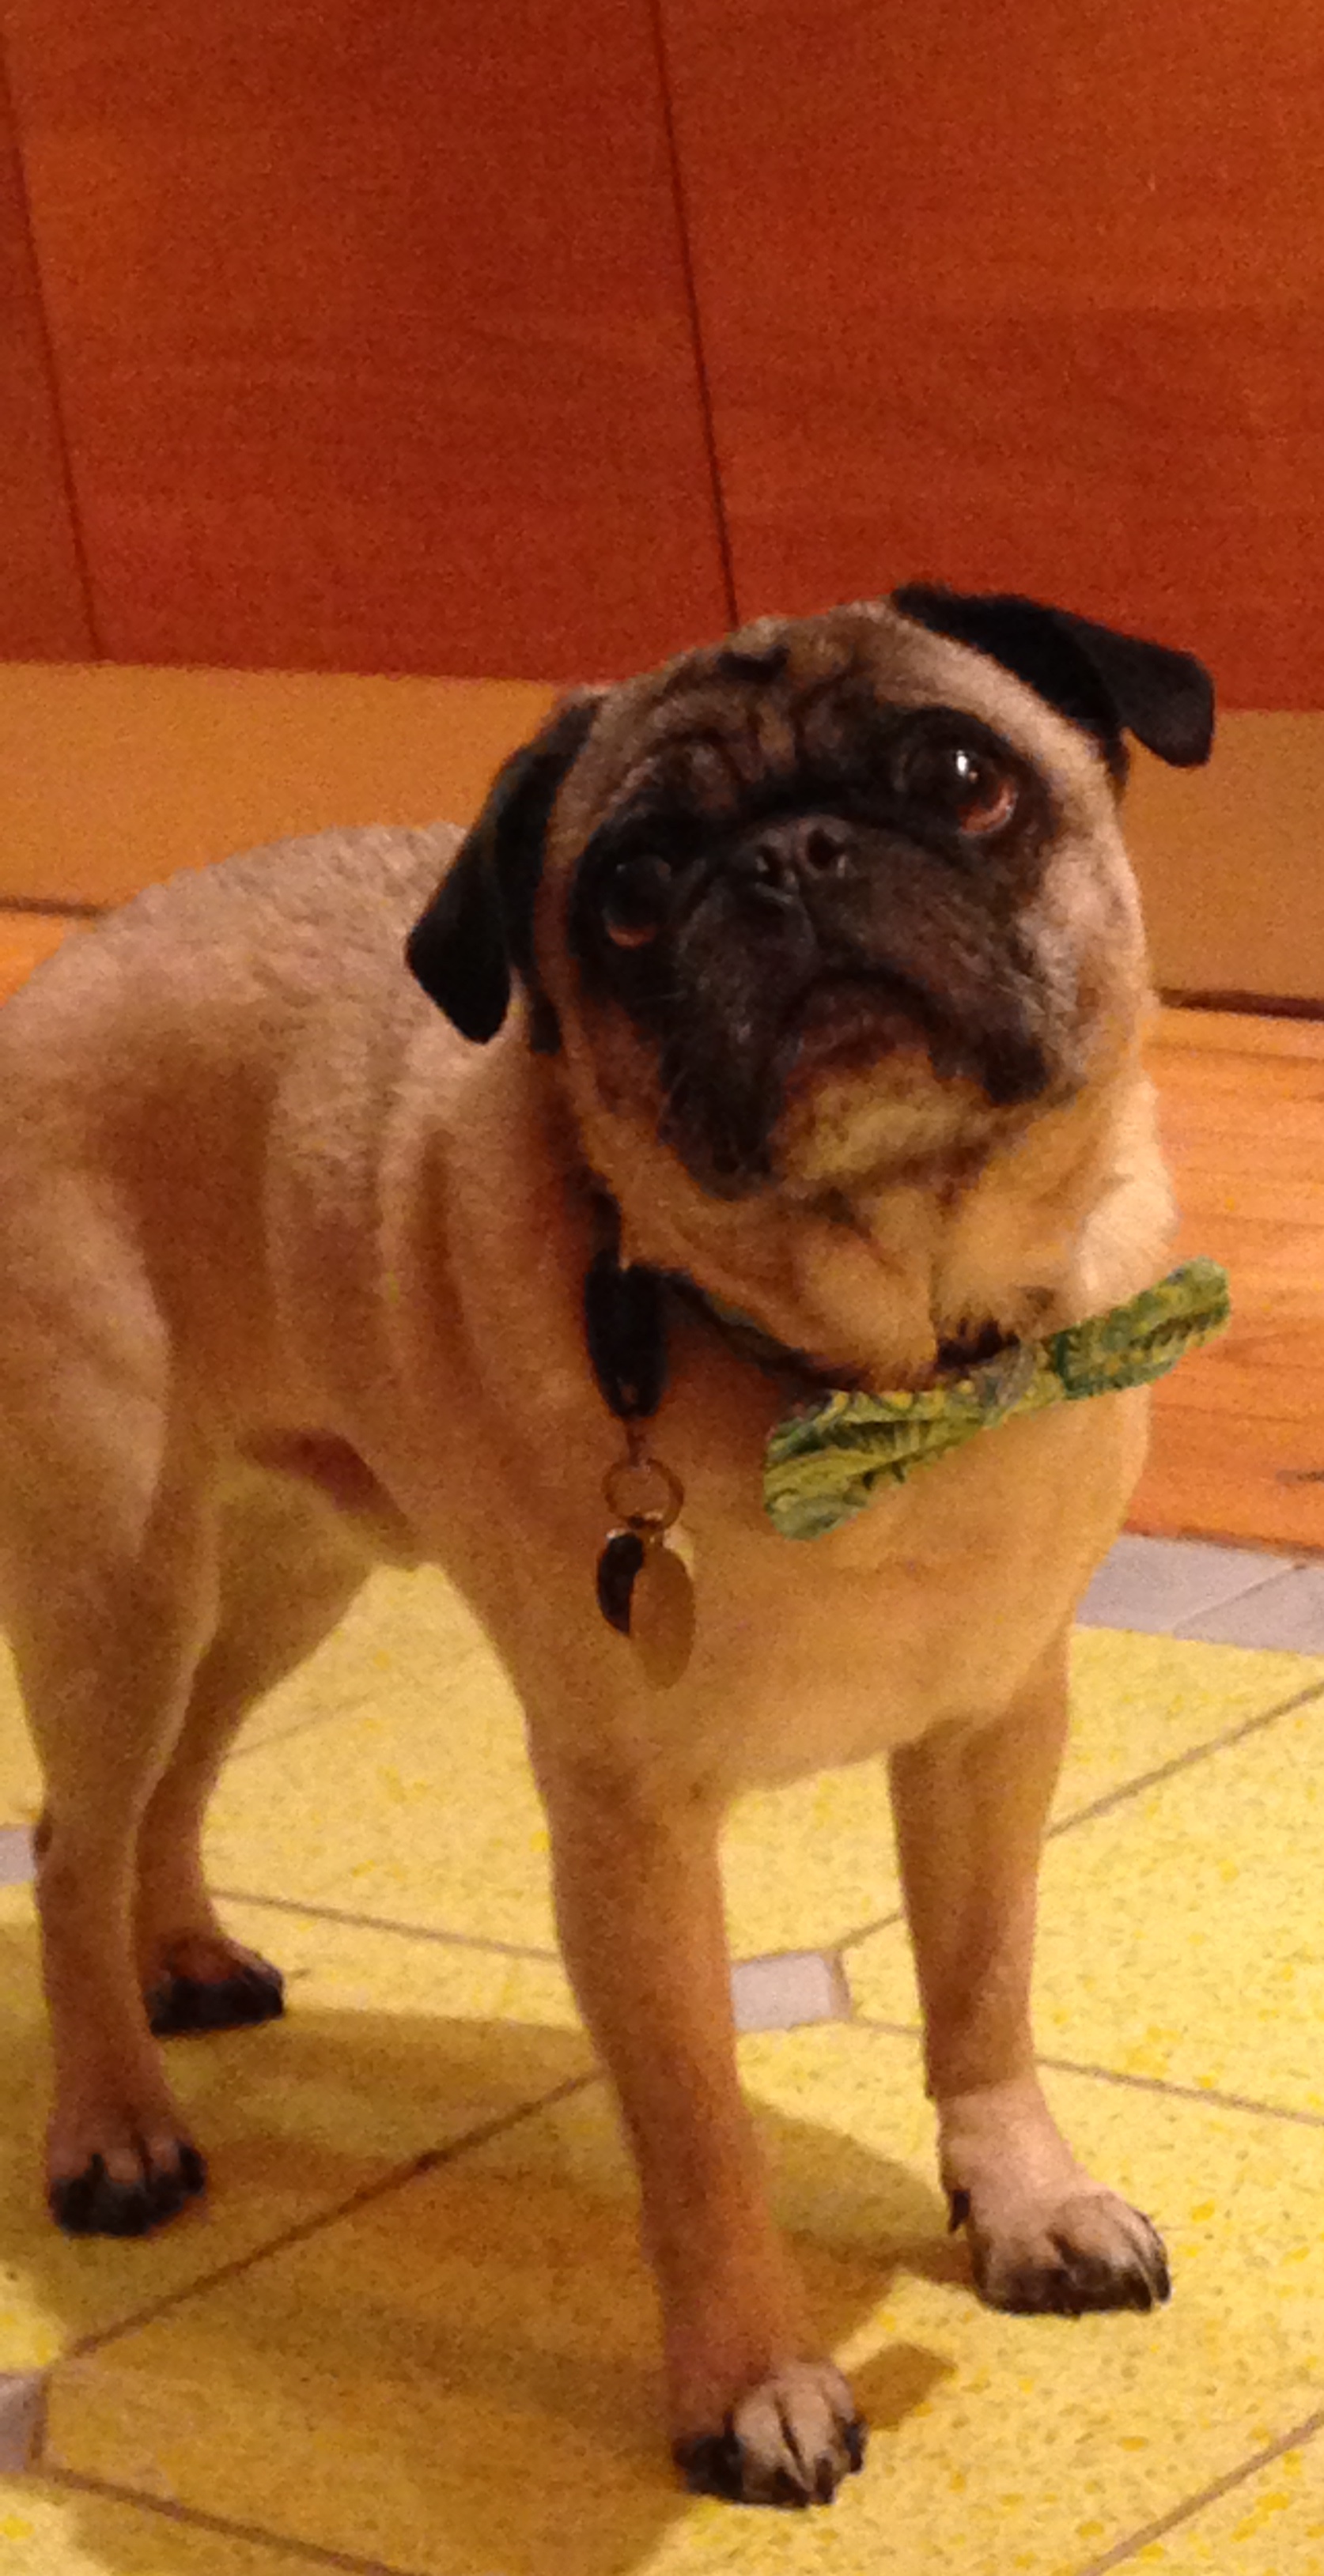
(775, 1045)
(853, 1023)
(873, 1073)
(859, 1046)
(882, 1028)
(882, 1023)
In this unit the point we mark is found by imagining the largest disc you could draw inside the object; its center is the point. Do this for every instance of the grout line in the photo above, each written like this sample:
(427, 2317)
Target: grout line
(1244, 1593)
(41, 2420)
(1187, 1761)
(196, 2518)
(1288, 1562)
(1206, 2096)
(1187, 2092)
(22, 2419)
(1255, 1567)
(852, 1940)
(1183, 2513)
(431, 2159)
(1287, 1581)
(1128, 1789)
(837, 1971)
(365, 1704)
(845, 2010)
(245, 1746)
(72, 2482)
(388, 1923)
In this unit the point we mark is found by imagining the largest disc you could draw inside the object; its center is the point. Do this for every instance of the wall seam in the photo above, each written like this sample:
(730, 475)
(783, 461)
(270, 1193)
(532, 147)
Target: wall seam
(82, 563)
(691, 288)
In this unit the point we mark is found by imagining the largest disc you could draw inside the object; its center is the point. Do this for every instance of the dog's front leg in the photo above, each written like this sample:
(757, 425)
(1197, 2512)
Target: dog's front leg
(970, 1807)
(753, 2415)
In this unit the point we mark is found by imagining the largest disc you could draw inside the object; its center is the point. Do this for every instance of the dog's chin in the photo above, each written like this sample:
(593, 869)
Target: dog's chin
(858, 1085)
(864, 1078)
(880, 1083)
(853, 1121)
(864, 1081)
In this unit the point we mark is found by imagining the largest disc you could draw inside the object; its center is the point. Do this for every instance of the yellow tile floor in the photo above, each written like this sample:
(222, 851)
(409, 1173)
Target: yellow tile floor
(411, 2330)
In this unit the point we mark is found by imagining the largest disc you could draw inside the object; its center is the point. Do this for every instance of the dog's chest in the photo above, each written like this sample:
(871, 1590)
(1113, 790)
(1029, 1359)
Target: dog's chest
(932, 1607)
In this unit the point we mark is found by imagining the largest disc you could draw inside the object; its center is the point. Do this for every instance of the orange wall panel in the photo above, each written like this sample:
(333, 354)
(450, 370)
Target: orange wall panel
(1020, 297)
(43, 612)
(372, 329)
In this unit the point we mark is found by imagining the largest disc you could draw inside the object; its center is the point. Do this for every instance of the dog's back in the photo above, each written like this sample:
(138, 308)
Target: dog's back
(171, 979)
(142, 1067)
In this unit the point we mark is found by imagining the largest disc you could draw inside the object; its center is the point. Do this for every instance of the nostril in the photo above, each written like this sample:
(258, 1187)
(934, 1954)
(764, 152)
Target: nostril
(767, 876)
(826, 848)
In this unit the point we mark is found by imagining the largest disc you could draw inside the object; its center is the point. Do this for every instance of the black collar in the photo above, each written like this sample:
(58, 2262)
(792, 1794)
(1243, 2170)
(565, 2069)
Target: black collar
(625, 1326)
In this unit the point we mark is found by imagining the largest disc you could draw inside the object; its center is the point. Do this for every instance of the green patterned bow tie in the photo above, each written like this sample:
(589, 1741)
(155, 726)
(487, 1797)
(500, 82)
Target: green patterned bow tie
(824, 1462)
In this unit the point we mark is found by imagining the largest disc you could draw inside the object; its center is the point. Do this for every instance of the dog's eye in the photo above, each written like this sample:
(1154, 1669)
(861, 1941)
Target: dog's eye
(975, 791)
(985, 794)
(634, 899)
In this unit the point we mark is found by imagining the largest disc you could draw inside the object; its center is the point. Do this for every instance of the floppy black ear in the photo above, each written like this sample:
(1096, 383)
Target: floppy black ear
(1106, 681)
(479, 924)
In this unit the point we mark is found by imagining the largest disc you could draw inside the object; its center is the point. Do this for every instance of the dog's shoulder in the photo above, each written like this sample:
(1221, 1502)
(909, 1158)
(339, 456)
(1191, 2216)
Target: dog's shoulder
(217, 969)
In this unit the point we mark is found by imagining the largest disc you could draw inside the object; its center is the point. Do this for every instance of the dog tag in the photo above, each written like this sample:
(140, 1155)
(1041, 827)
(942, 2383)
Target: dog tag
(662, 1615)
(645, 1592)
(618, 1567)
(644, 1587)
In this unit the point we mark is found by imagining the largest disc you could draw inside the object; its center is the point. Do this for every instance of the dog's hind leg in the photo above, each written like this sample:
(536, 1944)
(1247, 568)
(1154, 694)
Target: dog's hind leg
(289, 1570)
(108, 1588)
(970, 1807)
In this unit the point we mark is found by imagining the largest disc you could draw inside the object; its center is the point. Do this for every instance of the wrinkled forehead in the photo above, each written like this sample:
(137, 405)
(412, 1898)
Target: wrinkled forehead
(789, 700)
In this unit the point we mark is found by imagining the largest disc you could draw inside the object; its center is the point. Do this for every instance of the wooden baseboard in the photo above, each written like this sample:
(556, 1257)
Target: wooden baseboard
(112, 777)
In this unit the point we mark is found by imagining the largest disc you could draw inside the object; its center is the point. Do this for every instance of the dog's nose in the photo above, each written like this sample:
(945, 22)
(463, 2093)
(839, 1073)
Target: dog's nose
(821, 846)
(774, 866)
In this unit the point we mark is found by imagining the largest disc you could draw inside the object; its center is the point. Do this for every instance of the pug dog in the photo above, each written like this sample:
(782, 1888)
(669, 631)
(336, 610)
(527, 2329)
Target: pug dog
(805, 978)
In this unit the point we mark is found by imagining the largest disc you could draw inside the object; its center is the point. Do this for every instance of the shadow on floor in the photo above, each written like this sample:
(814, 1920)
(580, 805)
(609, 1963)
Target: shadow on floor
(459, 2375)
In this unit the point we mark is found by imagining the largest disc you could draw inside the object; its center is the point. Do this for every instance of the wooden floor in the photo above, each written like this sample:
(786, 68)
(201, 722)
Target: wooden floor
(1238, 1450)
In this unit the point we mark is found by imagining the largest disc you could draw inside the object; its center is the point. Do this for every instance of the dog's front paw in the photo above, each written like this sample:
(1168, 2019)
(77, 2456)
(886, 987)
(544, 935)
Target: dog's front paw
(206, 1983)
(131, 2186)
(1090, 2251)
(790, 2441)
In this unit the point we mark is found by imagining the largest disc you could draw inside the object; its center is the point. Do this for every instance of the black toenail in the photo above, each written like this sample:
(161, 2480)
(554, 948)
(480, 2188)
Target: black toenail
(192, 2169)
(72, 2201)
(90, 2204)
(711, 2463)
(181, 2006)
